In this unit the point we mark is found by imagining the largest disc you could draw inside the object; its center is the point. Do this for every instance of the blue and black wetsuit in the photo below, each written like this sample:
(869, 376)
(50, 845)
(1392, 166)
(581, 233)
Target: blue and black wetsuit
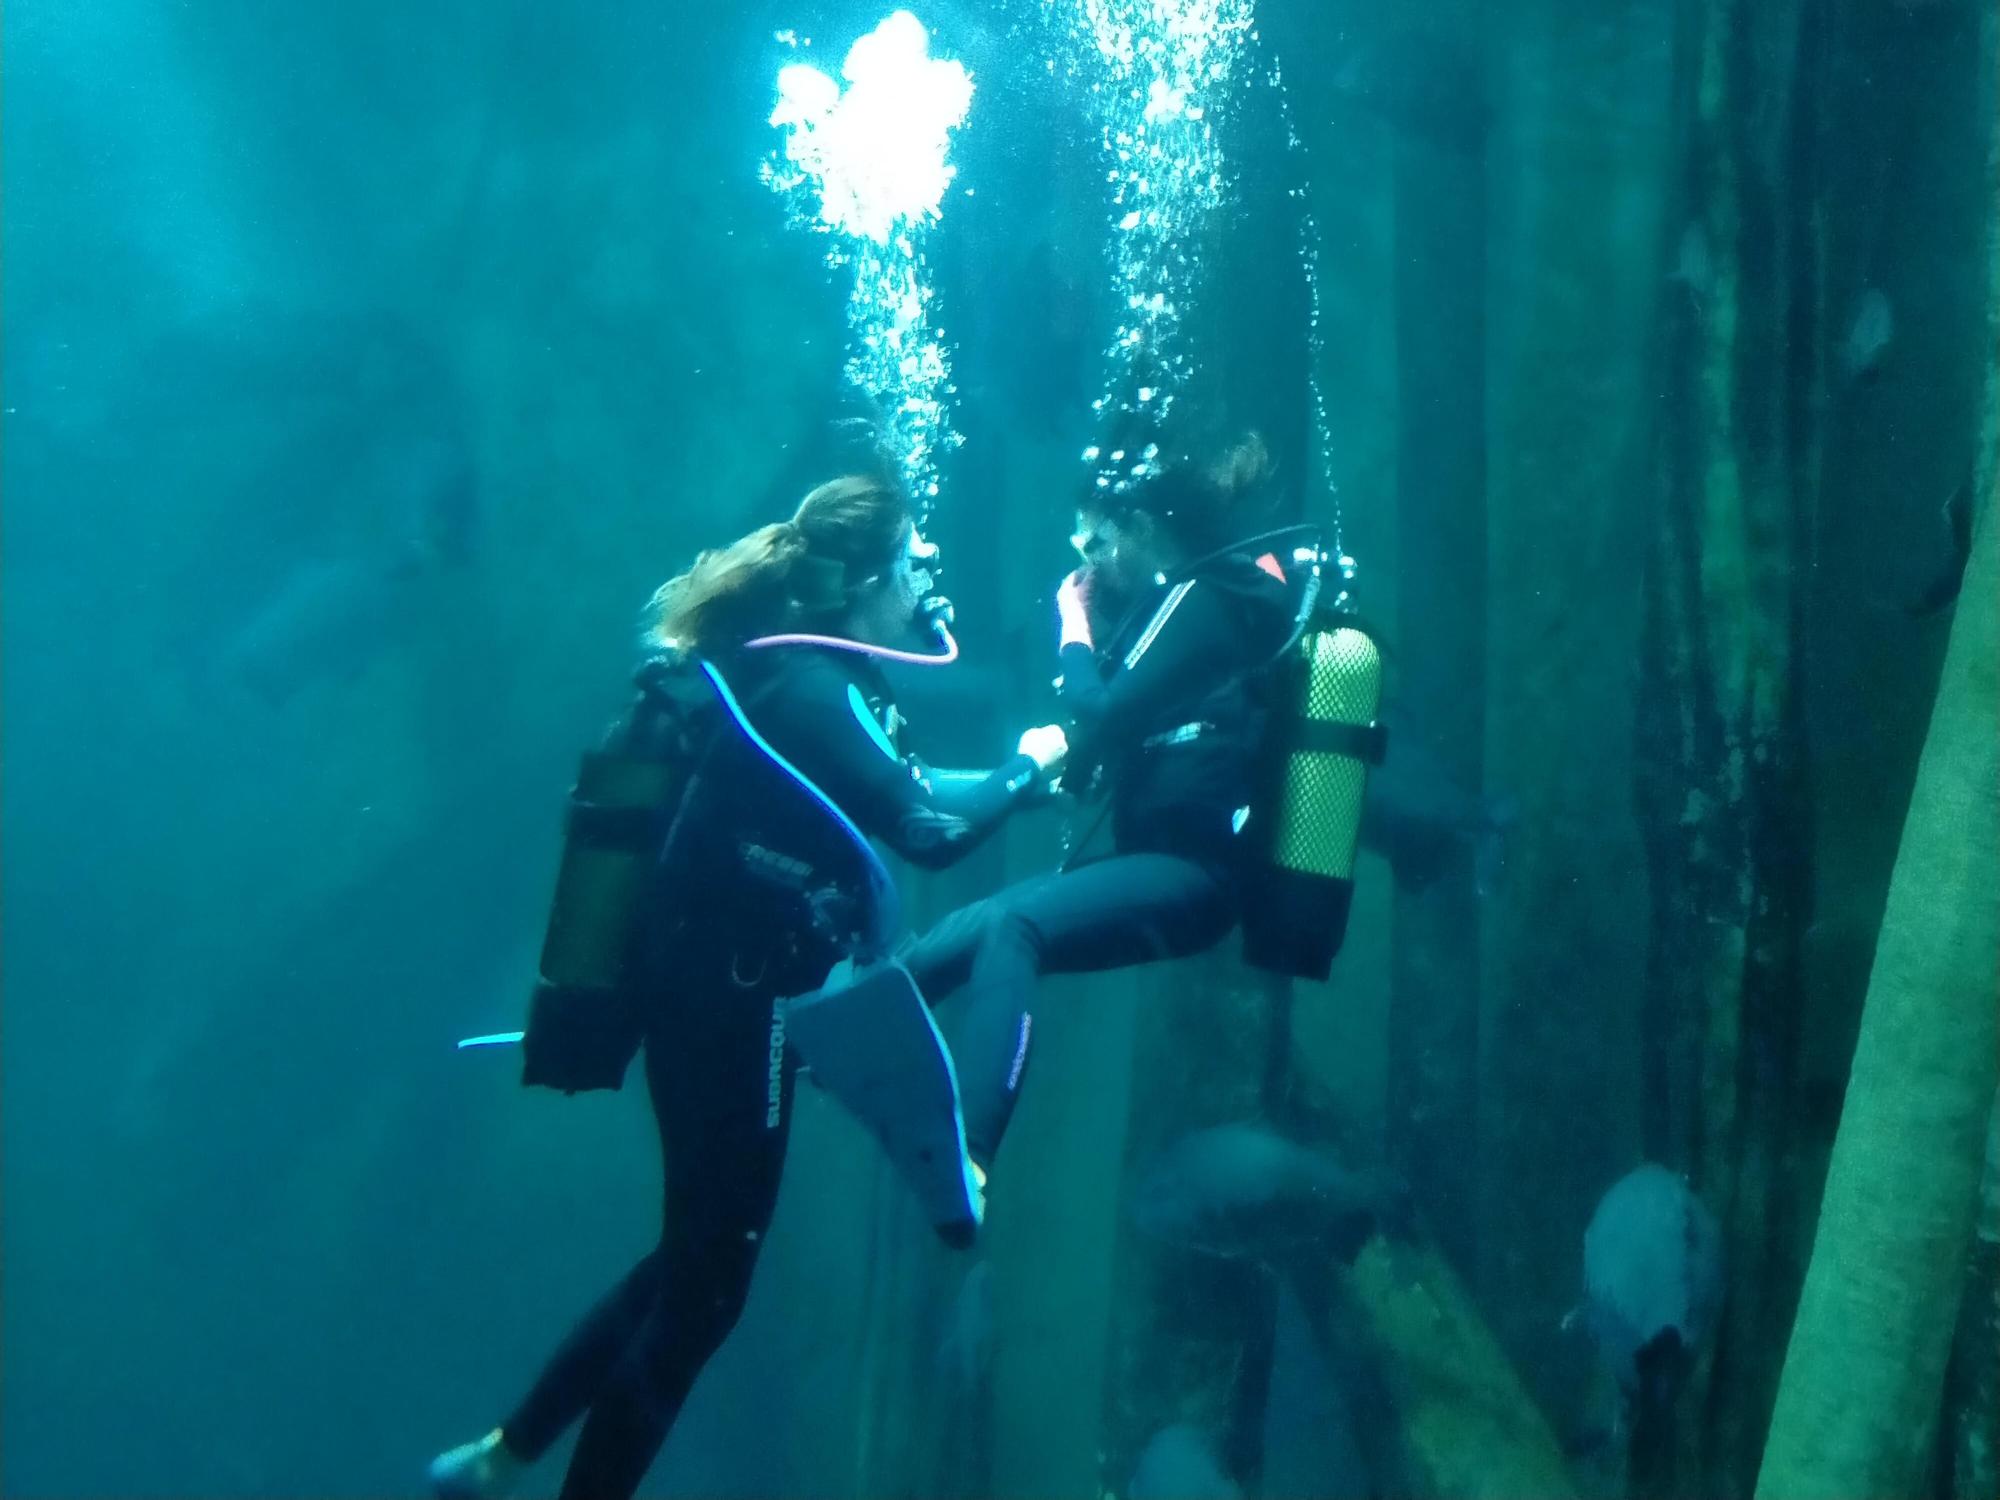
(1171, 708)
(758, 888)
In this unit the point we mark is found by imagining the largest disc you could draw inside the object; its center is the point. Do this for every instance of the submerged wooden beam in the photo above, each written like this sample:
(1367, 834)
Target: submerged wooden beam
(1462, 1425)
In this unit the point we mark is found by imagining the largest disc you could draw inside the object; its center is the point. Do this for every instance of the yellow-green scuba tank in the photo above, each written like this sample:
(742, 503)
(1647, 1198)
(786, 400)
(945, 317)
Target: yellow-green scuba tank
(1322, 738)
(584, 1018)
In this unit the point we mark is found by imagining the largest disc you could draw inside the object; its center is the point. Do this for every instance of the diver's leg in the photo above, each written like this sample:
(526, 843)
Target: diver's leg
(1129, 909)
(721, 1082)
(940, 959)
(567, 1385)
(578, 1369)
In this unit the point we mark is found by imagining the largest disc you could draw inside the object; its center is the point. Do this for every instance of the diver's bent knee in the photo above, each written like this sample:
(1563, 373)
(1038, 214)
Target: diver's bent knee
(1007, 927)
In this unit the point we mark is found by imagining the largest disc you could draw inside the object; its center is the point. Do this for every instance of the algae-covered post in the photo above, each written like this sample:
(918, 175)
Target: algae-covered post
(1722, 788)
(1972, 1383)
(1578, 139)
(1439, 192)
(1863, 1375)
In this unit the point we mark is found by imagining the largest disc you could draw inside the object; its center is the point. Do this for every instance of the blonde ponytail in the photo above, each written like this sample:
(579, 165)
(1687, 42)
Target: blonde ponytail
(803, 570)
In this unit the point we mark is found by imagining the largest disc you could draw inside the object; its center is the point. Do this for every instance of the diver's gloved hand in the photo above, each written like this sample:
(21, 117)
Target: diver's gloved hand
(1073, 609)
(1046, 746)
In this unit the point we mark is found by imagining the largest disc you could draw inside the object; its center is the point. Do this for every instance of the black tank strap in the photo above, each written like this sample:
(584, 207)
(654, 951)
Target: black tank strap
(633, 830)
(1365, 742)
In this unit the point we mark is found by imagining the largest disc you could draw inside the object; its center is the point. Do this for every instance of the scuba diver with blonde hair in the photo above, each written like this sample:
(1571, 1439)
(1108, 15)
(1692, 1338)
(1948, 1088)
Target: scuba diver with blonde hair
(717, 862)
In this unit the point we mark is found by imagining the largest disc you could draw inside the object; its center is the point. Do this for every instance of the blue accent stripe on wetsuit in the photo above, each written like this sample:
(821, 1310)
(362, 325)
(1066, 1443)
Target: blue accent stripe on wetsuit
(973, 1198)
(887, 911)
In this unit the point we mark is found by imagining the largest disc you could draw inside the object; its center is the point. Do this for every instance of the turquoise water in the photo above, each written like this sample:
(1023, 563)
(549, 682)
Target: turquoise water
(366, 367)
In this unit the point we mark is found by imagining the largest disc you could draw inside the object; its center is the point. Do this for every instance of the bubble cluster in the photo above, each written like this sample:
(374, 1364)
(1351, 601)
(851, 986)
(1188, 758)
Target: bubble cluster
(1158, 72)
(869, 166)
(1322, 424)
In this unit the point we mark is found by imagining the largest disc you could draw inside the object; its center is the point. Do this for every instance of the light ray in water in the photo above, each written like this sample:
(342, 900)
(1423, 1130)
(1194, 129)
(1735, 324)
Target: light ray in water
(868, 165)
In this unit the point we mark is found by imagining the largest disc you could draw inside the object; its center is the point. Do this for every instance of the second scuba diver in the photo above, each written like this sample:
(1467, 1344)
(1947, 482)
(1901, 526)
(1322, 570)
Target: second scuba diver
(1164, 634)
(754, 879)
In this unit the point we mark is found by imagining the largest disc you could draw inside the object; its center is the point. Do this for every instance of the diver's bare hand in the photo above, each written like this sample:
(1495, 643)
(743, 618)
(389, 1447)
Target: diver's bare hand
(1073, 608)
(1046, 745)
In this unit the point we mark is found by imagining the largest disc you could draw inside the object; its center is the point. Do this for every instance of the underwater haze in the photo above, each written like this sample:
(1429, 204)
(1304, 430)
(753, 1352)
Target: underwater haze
(366, 369)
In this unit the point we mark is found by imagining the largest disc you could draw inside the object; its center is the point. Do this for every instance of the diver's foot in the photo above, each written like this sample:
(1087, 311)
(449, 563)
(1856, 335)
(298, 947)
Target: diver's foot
(482, 1470)
(873, 1046)
(961, 1232)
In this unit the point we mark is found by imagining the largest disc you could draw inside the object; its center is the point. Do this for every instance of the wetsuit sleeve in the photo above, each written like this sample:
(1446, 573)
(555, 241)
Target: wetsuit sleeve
(979, 797)
(1195, 646)
(829, 739)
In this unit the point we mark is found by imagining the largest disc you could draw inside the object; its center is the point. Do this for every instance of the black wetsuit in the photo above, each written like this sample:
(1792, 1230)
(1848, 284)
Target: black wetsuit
(1172, 708)
(756, 878)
